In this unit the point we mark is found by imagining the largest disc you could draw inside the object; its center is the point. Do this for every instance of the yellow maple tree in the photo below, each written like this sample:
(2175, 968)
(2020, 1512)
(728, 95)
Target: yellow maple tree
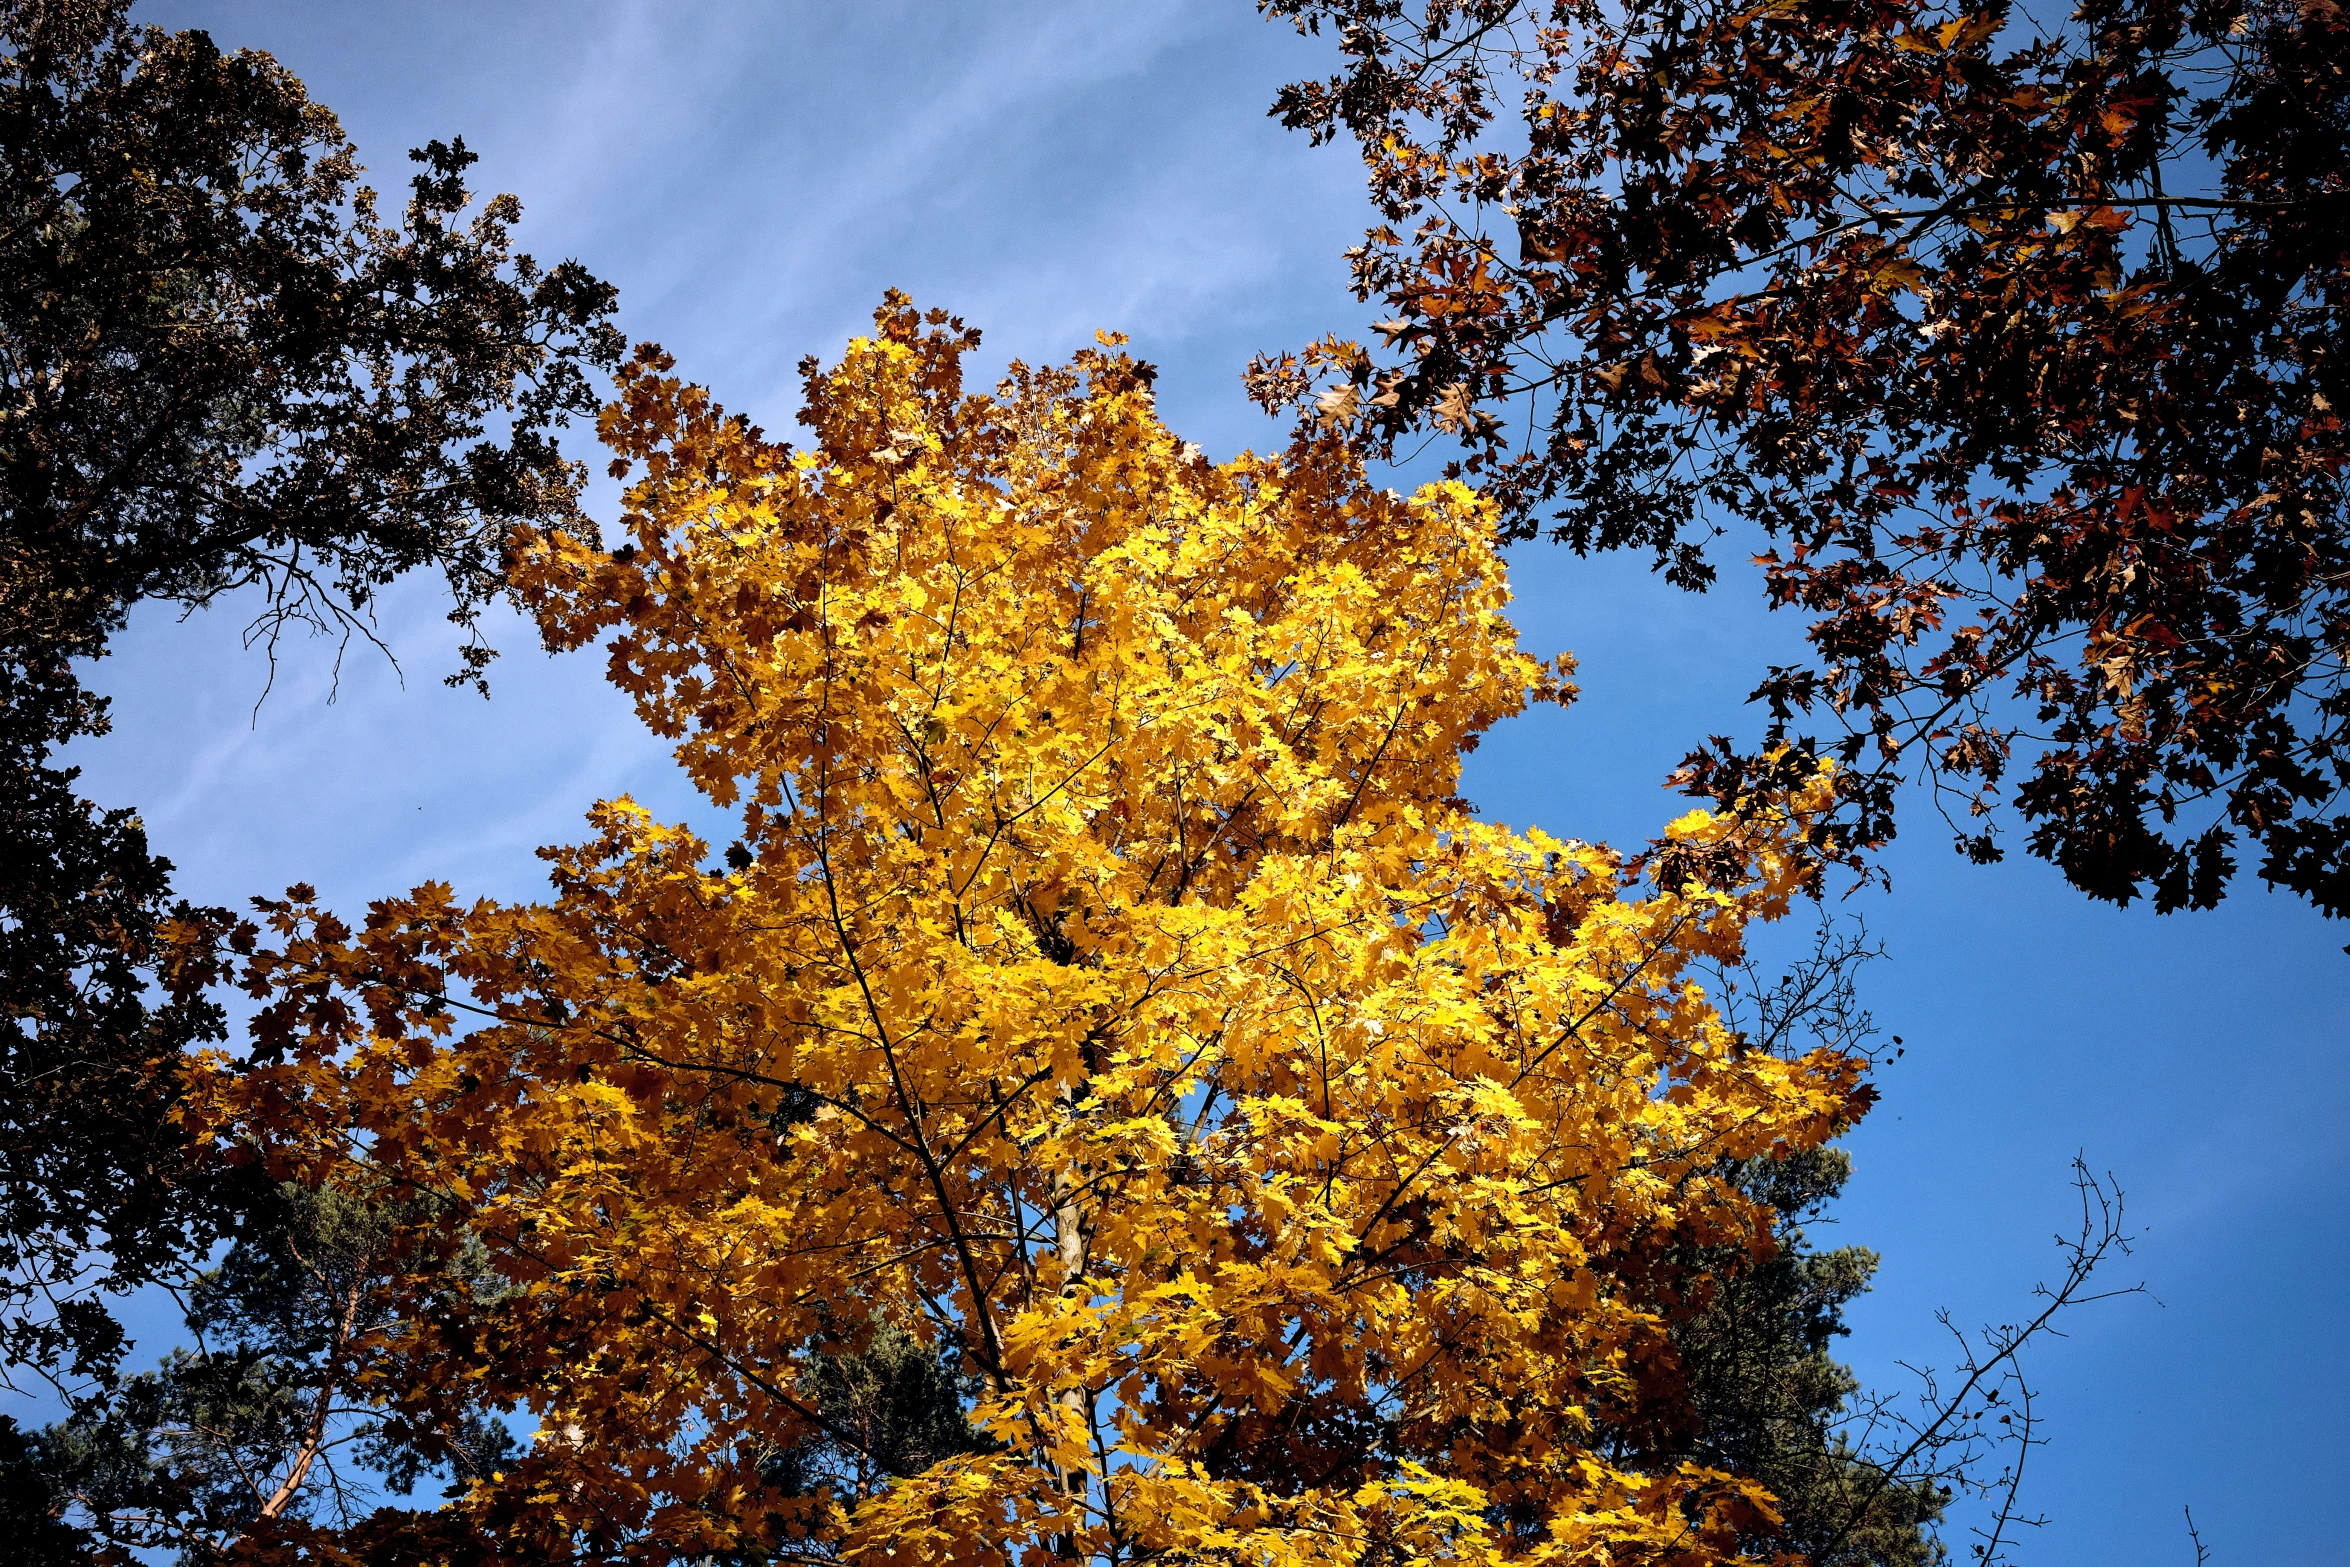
(1106, 980)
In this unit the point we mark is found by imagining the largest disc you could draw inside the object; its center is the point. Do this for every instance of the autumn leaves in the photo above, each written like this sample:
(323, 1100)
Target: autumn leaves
(1105, 981)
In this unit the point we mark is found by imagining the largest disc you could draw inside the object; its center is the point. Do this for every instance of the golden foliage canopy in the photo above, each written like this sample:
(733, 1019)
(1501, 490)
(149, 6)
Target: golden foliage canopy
(1106, 979)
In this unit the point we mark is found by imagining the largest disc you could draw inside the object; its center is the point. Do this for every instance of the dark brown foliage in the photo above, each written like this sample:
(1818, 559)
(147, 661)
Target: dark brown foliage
(222, 370)
(2011, 342)
(96, 1192)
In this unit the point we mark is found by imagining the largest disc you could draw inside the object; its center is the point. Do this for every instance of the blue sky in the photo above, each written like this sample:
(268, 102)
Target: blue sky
(752, 177)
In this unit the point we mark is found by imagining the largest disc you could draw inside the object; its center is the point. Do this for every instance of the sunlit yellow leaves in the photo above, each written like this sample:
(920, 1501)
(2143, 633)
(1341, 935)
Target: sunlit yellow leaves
(1105, 977)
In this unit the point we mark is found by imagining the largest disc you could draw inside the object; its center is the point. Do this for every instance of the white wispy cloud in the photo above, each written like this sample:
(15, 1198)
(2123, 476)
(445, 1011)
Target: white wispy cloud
(752, 176)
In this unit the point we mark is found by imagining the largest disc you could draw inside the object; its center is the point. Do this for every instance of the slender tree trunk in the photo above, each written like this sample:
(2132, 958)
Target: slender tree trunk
(321, 1408)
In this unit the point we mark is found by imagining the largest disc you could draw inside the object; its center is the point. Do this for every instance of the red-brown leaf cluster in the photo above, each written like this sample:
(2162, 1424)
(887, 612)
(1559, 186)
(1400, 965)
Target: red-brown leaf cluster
(2010, 341)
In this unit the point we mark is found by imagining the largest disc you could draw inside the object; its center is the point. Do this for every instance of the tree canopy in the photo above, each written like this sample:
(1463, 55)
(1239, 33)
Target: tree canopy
(1105, 979)
(260, 1415)
(226, 369)
(2010, 343)
(225, 372)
